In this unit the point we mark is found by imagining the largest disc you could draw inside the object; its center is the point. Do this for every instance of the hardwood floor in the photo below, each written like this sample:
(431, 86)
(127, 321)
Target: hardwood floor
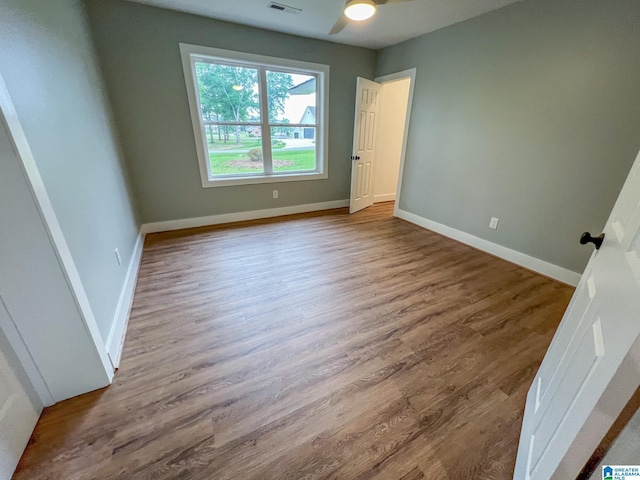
(314, 346)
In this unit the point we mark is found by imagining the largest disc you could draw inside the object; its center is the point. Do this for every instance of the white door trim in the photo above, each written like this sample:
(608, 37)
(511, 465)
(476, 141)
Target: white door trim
(9, 116)
(411, 74)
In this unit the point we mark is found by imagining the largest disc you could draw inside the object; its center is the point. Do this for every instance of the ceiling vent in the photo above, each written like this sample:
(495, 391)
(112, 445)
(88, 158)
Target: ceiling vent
(284, 8)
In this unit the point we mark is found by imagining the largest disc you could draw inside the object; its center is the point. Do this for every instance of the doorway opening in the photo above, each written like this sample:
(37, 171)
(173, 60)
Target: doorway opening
(381, 126)
(394, 102)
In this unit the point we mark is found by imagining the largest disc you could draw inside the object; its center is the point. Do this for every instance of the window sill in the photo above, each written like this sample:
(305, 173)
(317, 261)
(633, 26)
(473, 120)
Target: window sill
(250, 180)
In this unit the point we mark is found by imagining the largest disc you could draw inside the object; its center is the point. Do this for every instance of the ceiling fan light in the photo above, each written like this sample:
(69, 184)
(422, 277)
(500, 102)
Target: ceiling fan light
(359, 10)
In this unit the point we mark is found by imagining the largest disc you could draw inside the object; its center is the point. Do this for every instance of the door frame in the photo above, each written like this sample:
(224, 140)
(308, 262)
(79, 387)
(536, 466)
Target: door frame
(411, 74)
(9, 118)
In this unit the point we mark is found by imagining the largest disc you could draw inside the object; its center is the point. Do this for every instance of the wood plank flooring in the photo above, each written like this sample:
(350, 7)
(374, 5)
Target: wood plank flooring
(316, 346)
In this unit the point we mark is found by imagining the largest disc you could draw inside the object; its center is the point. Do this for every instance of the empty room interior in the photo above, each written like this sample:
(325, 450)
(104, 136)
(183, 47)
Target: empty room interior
(372, 239)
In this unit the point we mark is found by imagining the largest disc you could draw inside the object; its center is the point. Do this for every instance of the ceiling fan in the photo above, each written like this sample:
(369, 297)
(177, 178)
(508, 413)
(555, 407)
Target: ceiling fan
(358, 10)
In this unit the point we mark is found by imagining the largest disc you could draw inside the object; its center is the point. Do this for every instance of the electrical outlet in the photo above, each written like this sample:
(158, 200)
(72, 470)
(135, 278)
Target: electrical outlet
(275, 194)
(494, 223)
(118, 257)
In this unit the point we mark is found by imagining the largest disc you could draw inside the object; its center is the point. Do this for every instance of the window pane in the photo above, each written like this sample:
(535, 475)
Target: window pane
(228, 93)
(292, 98)
(234, 149)
(293, 149)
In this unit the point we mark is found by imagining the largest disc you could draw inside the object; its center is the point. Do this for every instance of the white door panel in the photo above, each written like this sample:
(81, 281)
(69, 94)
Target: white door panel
(585, 379)
(363, 144)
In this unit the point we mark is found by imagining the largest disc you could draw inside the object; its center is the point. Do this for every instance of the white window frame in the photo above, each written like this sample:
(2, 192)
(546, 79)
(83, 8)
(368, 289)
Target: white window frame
(192, 53)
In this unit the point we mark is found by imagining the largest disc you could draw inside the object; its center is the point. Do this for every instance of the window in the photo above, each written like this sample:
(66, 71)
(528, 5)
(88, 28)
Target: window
(256, 119)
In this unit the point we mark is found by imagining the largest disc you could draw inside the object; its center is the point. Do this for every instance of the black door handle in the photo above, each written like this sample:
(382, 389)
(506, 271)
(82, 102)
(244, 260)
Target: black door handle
(353, 157)
(587, 238)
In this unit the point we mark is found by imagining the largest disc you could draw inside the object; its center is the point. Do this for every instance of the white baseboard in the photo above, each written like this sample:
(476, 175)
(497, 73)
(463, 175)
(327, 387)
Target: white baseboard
(115, 341)
(387, 197)
(531, 263)
(240, 216)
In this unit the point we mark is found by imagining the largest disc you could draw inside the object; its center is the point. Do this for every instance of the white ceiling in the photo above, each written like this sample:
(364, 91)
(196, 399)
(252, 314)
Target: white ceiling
(392, 24)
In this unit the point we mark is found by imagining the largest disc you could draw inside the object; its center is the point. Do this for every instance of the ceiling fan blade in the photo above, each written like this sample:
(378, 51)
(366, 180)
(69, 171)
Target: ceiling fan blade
(387, 2)
(342, 22)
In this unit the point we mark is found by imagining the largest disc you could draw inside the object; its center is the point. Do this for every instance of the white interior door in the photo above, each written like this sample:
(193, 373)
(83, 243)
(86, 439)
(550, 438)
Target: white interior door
(364, 134)
(592, 366)
(18, 416)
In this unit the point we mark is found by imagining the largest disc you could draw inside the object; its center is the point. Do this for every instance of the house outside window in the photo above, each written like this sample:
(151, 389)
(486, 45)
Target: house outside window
(309, 117)
(256, 119)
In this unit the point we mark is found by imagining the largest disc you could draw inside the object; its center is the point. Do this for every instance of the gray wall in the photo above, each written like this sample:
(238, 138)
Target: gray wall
(49, 67)
(530, 113)
(138, 47)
